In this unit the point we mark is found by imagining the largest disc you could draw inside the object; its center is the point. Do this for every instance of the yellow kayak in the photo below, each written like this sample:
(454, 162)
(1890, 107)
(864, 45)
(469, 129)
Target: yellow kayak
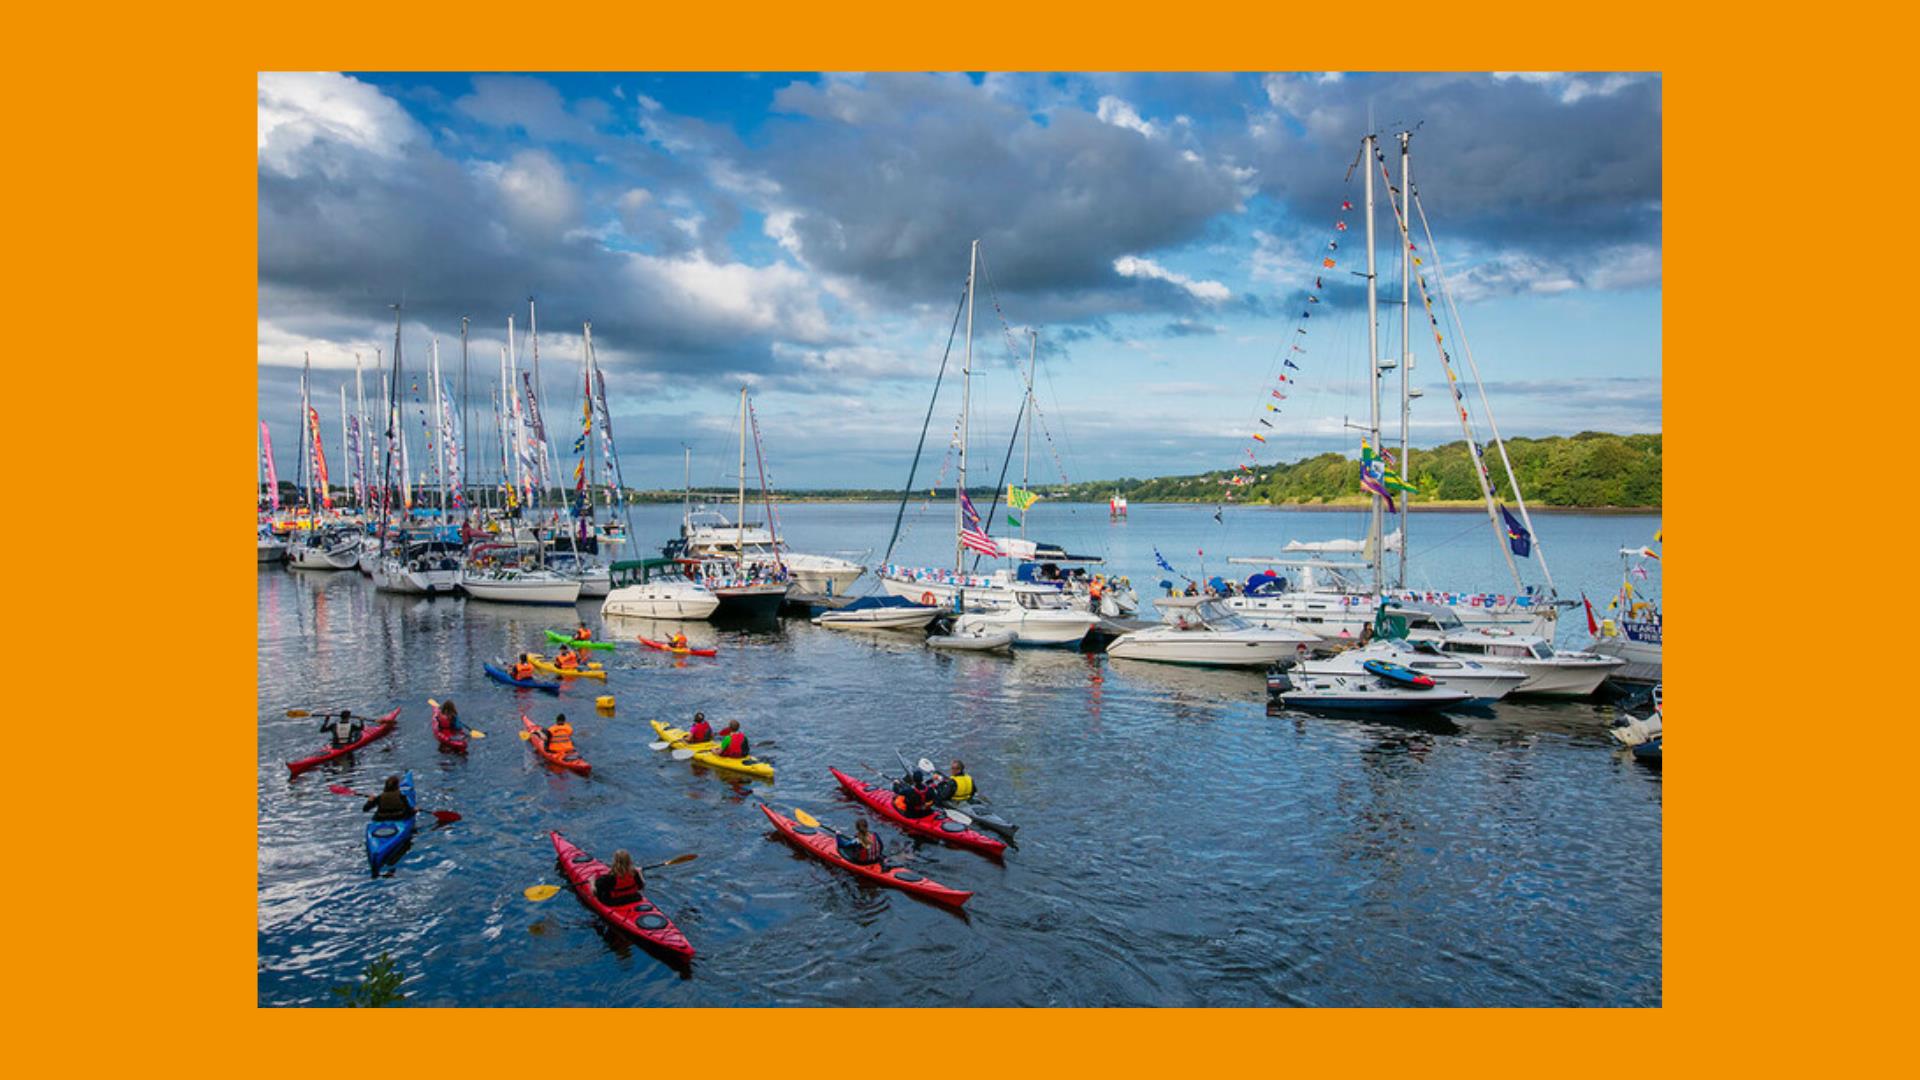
(676, 739)
(591, 671)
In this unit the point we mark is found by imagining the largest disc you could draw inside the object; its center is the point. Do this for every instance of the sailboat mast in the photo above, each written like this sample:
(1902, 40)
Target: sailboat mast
(1373, 355)
(465, 428)
(440, 431)
(740, 518)
(966, 398)
(343, 436)
(361, 458)
(1026, 455)
(306, 437)
(1406, 360)
(393, 423)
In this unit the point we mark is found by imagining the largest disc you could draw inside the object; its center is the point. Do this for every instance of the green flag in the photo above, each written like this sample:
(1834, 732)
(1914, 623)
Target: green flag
(1020, 498)
(1013, 521)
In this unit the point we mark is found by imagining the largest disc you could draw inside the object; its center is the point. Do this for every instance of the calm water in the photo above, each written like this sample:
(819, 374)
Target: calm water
(1179, 845)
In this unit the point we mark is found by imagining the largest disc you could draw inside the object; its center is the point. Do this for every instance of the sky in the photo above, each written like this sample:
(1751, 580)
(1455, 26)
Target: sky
(807, 236)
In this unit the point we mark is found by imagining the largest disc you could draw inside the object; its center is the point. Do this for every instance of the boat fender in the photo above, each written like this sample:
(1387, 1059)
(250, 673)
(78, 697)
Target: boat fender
(926, 599)
(604, 701)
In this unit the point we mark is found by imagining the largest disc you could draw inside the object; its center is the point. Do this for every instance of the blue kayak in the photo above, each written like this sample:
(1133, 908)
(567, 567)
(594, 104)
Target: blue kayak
(499, 674)
(1398, 674)
(385, 839)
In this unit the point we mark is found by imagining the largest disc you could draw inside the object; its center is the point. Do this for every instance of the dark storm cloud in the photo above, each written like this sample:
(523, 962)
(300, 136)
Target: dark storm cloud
(889, 179)
(1541, 163)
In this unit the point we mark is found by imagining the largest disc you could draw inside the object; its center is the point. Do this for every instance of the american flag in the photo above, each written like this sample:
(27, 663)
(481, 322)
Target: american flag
(972, 534)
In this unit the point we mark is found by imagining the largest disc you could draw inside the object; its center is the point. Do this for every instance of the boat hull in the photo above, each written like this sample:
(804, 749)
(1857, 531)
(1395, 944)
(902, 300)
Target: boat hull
(654, 602)
(521, 590)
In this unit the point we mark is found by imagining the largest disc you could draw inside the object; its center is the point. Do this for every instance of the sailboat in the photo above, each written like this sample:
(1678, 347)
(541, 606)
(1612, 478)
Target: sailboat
(1322, 594)
(744, 570)
(323, 542)
(1117, 506)
(413, 561)
(1036, 564)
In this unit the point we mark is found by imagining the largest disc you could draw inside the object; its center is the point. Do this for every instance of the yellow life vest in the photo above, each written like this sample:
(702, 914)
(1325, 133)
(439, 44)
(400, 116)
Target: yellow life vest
(962, 788)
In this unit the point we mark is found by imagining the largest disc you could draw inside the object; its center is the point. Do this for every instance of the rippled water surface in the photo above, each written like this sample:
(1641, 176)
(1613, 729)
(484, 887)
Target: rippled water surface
(1179, 844)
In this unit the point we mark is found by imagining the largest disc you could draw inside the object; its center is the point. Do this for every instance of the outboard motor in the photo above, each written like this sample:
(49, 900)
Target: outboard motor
(1277, 681)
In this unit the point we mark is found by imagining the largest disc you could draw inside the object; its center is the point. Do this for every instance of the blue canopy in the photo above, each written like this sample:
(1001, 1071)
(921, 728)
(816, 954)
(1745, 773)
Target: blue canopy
(874, 603)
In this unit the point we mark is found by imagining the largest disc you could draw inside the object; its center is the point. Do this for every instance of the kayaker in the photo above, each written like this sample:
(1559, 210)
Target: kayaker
(678, 640)
(567, 660)
(956, 786)
(344, 728)
(733, 741)
(913, 798)
(523, 669)
(863, 847)
(390, 804)
(559, 735)
(701, 731)
(581, 633)
(622, 883)
(447, 720)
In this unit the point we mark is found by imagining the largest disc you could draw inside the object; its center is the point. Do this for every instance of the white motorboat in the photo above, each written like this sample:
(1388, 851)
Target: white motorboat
(975, 639)
(1482, 684)
(1549, 671)
(706, 533)
(938, 586)
(821, 575)
(1632, 631)
(1038, 616)
(1210, 634)
(595, 579)
(272, 548)
(1330, 599)
(655, 589)
(1643, 737)
(420, 568)
(327, 549)
(879, 613)
(1360, 693)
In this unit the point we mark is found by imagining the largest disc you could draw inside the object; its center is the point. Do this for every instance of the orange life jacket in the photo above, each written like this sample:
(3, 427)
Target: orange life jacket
(583, 634)
(625, 889)
(567, 661)
(559, 738)
(523, 671)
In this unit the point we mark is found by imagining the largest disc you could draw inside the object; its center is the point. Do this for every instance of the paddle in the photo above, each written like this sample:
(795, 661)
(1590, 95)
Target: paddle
(443, 817)
(537, 893)
(471, 733)
(812, 822)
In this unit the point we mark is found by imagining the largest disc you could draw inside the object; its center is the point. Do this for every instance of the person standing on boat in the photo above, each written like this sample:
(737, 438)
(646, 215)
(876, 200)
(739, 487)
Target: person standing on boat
(701, 731)
(344, 728)
(733, 741)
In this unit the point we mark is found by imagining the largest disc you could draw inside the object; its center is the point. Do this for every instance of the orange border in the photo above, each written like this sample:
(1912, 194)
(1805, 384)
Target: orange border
(138, 231)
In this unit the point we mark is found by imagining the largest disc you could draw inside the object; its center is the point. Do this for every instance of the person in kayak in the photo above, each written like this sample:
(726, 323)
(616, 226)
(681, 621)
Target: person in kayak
(863, 848)
(390, 804)
(956, 786)
(343, 729)
(522, 670)
(447, 720)
(567, 660)
(701, 731)
(678, 640)
(581, 633)
(913, 795)
(622, 883)
(559, 735)
(733, 741)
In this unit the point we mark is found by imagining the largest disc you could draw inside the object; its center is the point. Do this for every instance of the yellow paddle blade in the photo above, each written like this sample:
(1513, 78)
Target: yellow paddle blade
(805, 818)
(432, 704)
(541, 892)
(296, 714)
(476, 733)
(524, 736)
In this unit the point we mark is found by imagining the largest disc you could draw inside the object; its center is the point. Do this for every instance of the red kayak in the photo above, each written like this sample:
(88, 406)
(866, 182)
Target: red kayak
(936, 826)
(537, 738)
(640, 918)
(387, 723)
(821, 845)
(456, 743)
(664, 647)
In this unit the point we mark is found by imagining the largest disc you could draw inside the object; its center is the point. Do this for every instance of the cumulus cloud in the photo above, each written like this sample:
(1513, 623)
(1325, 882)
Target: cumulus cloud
(1132, 266)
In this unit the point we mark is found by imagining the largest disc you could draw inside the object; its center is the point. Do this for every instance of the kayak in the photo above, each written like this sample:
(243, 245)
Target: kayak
(989, 821)
(537, 739)
(676, 739)
(386, 838)
(499, 674)
(447, 742)
(540, 664)
(555, 635)
(689, 651)
(821, 845)
(386, 724)
(935, 826)
(704, 755)
(641, 919)
(1396, 673)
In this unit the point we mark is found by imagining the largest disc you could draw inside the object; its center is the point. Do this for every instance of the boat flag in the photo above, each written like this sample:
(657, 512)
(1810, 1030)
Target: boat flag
(1592, 626)
(1259, 437)
(1018, 500)
(1328, 263)
(266, 454)
(976, 540)
(1371, 472)
(1346, 204)
(1518, 538)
